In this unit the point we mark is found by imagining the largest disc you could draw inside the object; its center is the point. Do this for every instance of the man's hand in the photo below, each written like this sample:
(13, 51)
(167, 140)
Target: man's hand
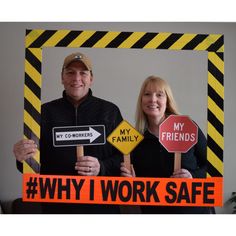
(24, 149)
(87, 165)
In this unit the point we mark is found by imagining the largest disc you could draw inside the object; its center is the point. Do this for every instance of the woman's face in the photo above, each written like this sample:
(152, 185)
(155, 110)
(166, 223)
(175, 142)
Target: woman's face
(154, 102)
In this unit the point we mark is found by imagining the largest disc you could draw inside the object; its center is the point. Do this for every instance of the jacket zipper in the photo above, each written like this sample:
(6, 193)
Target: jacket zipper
(76, 116)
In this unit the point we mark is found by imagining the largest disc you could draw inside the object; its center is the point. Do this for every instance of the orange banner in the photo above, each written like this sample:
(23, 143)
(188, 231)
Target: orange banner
(123, 191)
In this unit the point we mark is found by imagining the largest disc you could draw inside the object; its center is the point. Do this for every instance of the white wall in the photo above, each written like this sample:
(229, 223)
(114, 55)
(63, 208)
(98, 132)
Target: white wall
(118, 75)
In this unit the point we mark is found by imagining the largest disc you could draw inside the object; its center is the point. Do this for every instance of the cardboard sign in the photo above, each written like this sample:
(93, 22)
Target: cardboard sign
(122, 190)
(178, 133)
(125, 137)
(78, 135)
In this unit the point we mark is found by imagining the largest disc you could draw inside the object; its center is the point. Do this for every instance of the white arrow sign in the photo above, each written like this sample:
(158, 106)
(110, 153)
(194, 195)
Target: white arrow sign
(91, 134)
(78, 135)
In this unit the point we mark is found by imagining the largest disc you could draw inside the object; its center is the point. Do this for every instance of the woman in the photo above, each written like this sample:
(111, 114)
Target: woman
(150, 158)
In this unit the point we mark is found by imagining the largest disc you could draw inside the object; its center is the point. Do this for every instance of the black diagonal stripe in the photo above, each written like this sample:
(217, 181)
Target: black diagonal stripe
(216, 45)
(32, 111)
(33, 164)
(29, 134)
(72, 35)
(120, 38)
(27, 131)
(169, 41)
(33, 86)
(195, 41)
(27, 32)
(215, 72)
(144, 40)
(94, 39)
(33, 60)
(215, 122)
(42, 39)
(220, 55)
(215, 97)
(212, 170)
(215, 147)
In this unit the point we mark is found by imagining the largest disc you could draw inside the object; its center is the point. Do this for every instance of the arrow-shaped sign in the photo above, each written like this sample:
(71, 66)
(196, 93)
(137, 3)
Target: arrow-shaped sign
(91, 135)
(78, 135)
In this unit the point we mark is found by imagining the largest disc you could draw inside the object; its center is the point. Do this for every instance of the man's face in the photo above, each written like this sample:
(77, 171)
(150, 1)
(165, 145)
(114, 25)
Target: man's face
(76, 80)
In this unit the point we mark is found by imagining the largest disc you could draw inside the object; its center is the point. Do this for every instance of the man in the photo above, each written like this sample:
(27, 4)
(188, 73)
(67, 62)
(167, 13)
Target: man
(77, 107)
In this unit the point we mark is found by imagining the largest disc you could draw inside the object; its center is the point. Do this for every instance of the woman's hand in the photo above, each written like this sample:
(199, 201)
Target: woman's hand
(126, 172)
(182, 173)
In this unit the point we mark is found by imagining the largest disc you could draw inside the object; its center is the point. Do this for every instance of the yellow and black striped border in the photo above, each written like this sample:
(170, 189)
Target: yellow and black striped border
(37, 39)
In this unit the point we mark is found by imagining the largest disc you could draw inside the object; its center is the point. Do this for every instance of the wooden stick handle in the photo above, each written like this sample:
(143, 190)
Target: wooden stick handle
(127, 162)
(177, 164)
(79, 151)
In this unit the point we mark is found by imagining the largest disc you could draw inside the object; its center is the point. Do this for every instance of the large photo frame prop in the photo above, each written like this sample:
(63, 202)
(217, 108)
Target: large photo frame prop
(36, 40)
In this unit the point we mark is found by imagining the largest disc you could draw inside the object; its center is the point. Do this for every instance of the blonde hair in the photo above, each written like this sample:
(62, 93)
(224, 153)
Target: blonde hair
(171, 106)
